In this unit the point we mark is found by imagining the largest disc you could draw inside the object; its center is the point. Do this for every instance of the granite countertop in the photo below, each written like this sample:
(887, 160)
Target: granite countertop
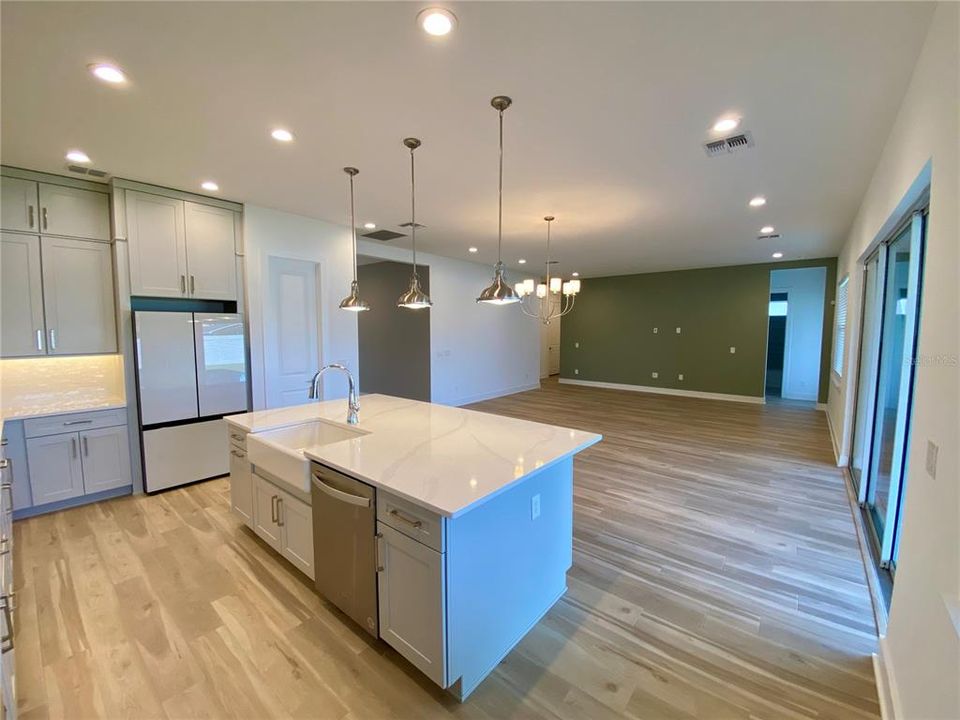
(443, 458)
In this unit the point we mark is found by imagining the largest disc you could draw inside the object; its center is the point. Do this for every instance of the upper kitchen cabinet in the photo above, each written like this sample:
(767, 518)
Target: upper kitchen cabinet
(18, 204)
(29, 206)
(180, 249)
(72, 212)
(78, 297)
(157, 244)
(211, 252)
(21, 295)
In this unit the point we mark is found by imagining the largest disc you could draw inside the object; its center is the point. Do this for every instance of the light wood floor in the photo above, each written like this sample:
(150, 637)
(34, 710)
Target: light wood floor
(716, 575)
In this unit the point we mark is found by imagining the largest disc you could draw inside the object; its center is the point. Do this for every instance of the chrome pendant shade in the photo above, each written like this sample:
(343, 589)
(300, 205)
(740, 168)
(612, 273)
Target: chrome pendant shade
(548, 304)
(499, 291)
(353, 302)
(414, 298)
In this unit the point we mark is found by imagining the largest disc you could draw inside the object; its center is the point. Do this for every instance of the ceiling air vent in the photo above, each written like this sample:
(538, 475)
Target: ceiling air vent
(383, 235)
(773, 236)
(89, 172)
(727, 146)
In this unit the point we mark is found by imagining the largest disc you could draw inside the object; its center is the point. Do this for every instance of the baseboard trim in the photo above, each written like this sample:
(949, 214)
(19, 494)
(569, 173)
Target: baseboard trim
(841, 458)
(495, 394)
(756, 400)
(886, 687)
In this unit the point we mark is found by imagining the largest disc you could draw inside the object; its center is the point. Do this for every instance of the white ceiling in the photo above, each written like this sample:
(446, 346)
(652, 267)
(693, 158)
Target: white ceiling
(611, 104)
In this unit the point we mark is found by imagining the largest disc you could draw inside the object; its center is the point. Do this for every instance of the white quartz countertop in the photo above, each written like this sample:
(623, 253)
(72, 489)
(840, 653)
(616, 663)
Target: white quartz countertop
(443, 458)
(60, 406)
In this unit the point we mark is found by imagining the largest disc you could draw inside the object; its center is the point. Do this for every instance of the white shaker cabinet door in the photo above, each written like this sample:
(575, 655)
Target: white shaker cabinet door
(296, 521)
(241, 485)
(78, 297)
(265, 519)
(74, 212)
(18, 205)
(412, 610)
(55, 470)
(21, 296)
(211, 252)
(106, 459)
(157, 245)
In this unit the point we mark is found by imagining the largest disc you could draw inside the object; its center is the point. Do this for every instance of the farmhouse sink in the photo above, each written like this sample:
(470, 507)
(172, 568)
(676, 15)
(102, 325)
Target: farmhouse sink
(280, 452)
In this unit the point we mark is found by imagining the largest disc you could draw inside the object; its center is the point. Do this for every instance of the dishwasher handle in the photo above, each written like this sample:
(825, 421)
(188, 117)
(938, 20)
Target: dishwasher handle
(340, 494)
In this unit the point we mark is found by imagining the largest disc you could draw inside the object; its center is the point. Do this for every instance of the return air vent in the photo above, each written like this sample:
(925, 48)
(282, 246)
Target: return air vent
(383, 235)
(773, 236)
(728, 146)
(89, 172)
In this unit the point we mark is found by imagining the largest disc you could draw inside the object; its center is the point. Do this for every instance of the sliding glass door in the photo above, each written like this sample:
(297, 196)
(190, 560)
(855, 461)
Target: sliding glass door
(885, 386)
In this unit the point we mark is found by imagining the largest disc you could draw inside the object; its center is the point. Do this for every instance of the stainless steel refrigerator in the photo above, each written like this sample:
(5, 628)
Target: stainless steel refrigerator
(191, 371)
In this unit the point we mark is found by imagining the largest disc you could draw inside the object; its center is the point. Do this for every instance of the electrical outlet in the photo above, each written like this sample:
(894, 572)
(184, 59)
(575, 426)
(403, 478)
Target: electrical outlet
(932, 451)
(733, 350)
(680, 376)
(656, 330)
(576, 371)
(654, 374)
(535, 507)
(577, 345)
(678, 331)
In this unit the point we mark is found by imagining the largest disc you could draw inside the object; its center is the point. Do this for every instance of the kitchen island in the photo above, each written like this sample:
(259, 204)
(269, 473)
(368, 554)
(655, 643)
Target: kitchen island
(469, 517)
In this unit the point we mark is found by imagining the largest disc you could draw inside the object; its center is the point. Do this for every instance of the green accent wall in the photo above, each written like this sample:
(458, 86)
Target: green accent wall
(715, 308)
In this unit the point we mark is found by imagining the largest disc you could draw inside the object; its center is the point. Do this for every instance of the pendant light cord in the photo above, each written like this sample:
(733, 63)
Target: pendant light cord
(500, 198)
(548, 255)
(353, 230)
(413, 212)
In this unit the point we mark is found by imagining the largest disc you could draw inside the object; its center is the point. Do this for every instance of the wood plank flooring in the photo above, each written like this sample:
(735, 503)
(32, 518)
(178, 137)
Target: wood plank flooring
(716, 575)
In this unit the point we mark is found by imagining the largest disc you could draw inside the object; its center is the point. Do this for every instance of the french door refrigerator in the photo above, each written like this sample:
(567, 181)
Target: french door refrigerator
(191, 371)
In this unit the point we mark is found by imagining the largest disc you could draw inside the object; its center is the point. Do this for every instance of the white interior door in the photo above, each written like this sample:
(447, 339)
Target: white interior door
(291, 330)
(166, 366)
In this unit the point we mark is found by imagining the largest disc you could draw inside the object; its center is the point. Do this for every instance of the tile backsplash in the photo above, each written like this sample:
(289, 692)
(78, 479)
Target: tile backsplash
(35, 386)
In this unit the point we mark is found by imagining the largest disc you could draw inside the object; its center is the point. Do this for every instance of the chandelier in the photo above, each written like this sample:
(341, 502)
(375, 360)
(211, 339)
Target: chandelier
(551, 299)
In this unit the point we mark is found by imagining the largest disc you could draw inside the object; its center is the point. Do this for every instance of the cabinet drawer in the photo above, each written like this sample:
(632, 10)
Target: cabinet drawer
(411, 520)
(238, 438)
(74, 422)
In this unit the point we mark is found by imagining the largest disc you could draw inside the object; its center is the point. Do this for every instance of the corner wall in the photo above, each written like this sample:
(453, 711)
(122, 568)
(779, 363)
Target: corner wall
(921, 652)
(715, 309)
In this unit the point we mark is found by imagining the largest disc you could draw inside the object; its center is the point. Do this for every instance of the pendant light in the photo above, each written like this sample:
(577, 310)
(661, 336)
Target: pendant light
(548, 305)
(499, 291)
(414, 298)
(353, 302)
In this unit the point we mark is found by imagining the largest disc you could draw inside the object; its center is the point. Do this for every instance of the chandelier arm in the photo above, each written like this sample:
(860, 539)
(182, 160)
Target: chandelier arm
(523, 309)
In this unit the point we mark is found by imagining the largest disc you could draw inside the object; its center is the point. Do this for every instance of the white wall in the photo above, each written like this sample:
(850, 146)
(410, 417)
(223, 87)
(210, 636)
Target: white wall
(921, 651)
(804, 333)
(479, 351)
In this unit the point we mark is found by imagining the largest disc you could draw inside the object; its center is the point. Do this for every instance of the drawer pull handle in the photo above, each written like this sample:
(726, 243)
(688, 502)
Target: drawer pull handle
(183, 285)
(273, 508)
(193, 285)
(403, 518)
(237, 453)
(53, 339)
(235, 436)
(73, 446)
(78, 422)
(39, 340)
(86, 446)
(279, 512)
(6, 644)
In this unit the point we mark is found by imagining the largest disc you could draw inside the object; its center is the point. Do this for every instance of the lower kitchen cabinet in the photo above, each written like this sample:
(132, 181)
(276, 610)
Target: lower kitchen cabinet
(284, 522)
(241, 485)
(65, 462)
(412, 590)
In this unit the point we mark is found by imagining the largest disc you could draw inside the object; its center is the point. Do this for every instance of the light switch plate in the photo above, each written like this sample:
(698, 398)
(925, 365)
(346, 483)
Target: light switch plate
(535, 507)
(576, 345)
(733, 350)
(680, 376)
(932, 451)
(656, 330)
(678, 331)
(654, 374)
(576, 371)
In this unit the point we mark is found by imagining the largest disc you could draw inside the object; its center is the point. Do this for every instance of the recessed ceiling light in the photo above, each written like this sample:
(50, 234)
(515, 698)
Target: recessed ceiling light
(726, 124)
(575, 274)
(108, 73)
(758, 201)
(78, 156)
(522, 261)
(209, 185)
(767, 229)
(436, 21)
(281, 135)
(369, 226)
(777, 255)
(472, 249)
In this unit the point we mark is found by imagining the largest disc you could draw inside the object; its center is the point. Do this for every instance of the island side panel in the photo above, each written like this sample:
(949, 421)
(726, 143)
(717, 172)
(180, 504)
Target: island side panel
(505, 569)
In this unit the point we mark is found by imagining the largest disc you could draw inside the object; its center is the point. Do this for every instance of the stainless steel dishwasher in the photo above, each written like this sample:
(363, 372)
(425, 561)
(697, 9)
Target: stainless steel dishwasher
(344, 544)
